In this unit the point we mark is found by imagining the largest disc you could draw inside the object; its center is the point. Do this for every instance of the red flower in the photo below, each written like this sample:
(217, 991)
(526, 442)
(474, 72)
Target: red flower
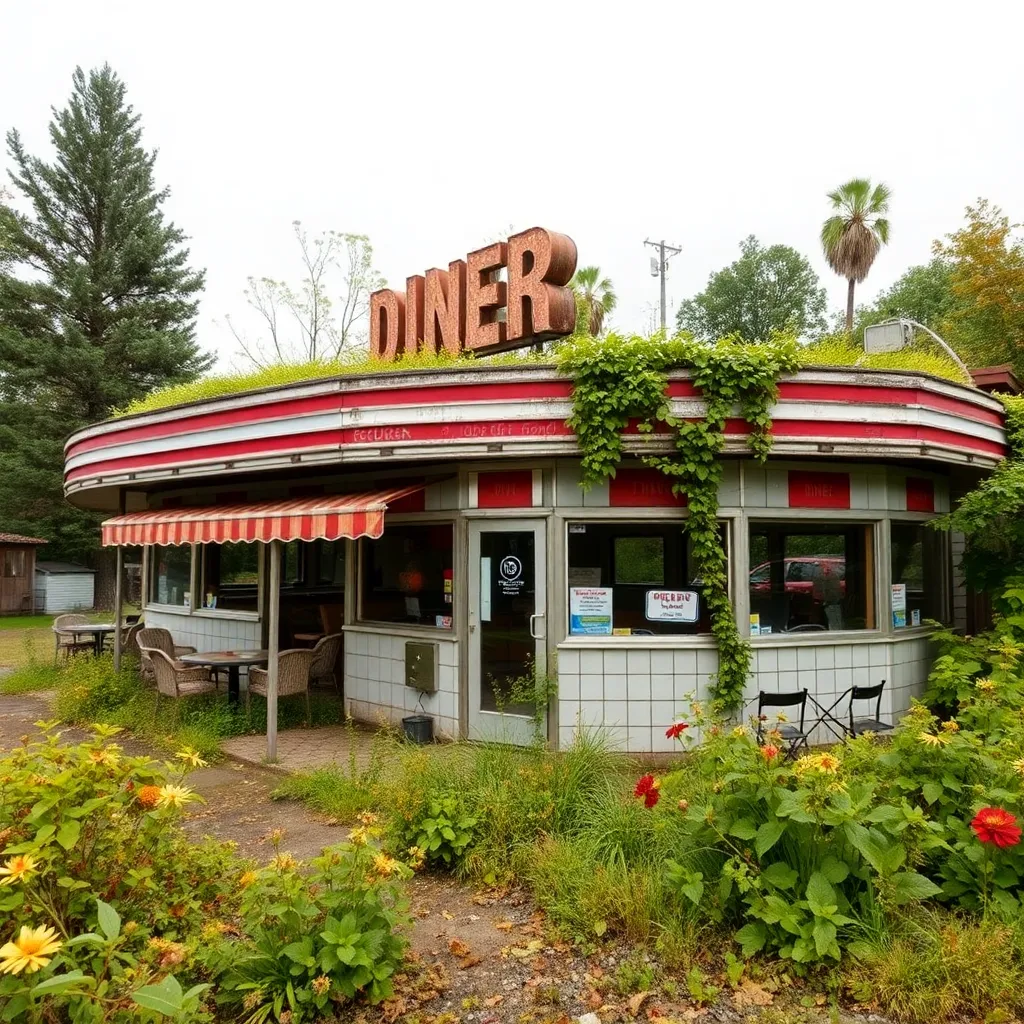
(770, 751)
(673, 732)
(995, 825)
(647, 788)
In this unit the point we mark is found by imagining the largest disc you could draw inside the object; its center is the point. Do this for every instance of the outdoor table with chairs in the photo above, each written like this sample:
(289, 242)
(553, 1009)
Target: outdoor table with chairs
(75, 633)
(230, 661)
(796, 734)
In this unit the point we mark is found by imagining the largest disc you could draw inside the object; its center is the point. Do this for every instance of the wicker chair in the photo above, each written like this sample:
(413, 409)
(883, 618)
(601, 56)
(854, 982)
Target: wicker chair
(161, 640)
(67, 643)
(325, 657)
(176, 680)
(292, 677)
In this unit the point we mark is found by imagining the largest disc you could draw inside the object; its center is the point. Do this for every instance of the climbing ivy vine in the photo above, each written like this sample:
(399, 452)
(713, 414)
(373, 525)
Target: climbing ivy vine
(621, 380)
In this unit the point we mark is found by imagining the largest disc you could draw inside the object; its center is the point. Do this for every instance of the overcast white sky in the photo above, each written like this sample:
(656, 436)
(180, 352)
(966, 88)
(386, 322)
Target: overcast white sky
(432, 127)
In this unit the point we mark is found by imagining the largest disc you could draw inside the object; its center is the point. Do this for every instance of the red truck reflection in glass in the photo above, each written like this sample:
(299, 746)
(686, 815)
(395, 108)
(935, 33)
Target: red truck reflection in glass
(802, 575)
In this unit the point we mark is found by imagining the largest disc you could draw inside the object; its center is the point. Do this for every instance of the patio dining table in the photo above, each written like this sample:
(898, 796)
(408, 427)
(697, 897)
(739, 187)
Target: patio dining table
(97, 630)
(232, 661)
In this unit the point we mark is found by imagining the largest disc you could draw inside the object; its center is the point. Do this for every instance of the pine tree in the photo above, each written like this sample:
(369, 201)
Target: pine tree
(97, 301)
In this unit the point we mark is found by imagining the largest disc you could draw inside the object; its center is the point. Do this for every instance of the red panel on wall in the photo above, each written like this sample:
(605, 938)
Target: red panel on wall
(818, 490)
(642, 488)
(505, 490)
(920, 494)
(415, 502)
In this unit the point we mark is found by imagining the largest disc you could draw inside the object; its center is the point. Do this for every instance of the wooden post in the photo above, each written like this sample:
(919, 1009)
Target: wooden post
(274, 618)
(118, 588)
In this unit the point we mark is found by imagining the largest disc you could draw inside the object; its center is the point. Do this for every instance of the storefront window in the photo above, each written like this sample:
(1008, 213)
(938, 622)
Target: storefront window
(407, 576)
(231, 576)
(330, 563)
(634, 579)
(807, 578)
(171, 575)
(918, 575)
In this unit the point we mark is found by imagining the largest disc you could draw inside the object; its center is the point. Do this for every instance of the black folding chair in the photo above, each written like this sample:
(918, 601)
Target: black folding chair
(862, 725)
(794, 735)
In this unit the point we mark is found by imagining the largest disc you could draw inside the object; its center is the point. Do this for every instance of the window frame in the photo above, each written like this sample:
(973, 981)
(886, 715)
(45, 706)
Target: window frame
(624, 518)
(359, 619)
(877, 532)
(946, 581)
(235, 613)
(152, 577)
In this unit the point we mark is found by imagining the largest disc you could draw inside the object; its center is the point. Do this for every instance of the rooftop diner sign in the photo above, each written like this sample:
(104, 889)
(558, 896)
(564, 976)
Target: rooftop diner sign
(460, 309)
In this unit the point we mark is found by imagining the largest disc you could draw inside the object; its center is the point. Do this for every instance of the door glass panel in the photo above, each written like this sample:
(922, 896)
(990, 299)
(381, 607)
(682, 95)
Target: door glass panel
(507, 601)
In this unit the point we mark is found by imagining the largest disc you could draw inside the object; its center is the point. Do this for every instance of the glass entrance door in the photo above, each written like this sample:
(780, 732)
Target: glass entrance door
(507, 626)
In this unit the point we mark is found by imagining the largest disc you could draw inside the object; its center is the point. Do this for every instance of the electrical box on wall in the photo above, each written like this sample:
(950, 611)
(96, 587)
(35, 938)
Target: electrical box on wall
(421, 666)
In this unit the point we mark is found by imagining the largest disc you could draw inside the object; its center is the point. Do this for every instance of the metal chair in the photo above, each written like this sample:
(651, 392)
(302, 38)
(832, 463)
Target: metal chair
(794, 735)
(176, 680)
(325, 658)
(862, 725)
(292, 677)
(66, 642)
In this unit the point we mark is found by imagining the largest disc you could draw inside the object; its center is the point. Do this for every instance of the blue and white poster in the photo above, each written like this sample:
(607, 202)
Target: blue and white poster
(590, 611)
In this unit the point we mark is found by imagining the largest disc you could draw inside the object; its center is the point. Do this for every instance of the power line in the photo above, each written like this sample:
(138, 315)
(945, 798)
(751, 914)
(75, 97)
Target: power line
(662, 264)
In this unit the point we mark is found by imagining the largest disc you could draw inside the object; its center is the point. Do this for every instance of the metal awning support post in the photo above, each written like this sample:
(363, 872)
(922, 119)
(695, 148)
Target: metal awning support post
(274, 618)
(118, 589)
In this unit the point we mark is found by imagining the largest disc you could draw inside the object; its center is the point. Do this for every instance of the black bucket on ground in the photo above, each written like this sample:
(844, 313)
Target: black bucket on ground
(418, 728)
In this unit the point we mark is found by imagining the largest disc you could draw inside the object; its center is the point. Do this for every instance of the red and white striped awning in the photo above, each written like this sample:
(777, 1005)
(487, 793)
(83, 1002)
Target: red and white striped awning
(326, 517)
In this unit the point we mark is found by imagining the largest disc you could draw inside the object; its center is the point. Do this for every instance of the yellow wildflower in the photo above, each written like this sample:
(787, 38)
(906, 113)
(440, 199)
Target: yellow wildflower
(277, 835)
(359, 835)
(321, 984)
(190, 757)
(18, 869)
(385, 865)
(174, 796)
(951, 726)
(985, 685)
(930, 739)
(284, 862)
(107, 756)
(739, 732)
(247, 878)
(366, 818)
(1018, 766)
(827, 764)
(30, 951)
(417, 855)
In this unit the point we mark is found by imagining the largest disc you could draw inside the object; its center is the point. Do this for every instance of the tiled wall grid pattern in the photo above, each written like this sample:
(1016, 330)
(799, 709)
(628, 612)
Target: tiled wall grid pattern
(375, 687)
(636, 695)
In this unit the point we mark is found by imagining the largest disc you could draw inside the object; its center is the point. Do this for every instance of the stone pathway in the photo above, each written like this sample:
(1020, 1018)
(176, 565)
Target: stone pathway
(305, 749)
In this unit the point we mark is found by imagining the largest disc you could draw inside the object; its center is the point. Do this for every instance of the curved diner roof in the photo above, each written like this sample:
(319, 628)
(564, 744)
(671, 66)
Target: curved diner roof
(507, 411)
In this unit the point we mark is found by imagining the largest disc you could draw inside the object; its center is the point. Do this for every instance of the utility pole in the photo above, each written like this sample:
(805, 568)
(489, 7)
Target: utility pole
(662, 262)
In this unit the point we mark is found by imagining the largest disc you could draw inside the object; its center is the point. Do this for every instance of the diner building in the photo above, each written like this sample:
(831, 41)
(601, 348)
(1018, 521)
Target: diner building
(438, 520)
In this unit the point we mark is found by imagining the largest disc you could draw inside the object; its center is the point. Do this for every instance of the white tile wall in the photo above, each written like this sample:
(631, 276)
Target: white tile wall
(635, 707)
(375, 687)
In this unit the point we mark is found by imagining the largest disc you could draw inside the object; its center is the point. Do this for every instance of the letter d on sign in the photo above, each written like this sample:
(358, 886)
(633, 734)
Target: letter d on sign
(387, 324)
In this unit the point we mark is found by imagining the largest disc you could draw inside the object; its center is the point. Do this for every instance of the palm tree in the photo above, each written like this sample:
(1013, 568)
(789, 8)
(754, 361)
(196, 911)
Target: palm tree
(852, 236)
(597, 293)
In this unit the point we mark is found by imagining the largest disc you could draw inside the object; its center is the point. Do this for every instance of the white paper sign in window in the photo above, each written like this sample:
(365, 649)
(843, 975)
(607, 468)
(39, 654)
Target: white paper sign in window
(673, 606)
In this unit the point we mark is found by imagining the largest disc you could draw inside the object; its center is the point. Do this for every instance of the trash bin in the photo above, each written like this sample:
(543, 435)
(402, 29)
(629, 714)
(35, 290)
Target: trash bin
(418, 728)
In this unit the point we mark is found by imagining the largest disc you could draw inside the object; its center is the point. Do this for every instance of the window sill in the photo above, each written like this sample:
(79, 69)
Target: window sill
(590, 642)
(167, 609)
(226, 613)
(400, 629)
(829, 638)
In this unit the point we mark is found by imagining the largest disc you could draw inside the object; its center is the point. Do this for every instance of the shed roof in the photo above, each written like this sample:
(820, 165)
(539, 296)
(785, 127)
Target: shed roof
(55, 568)
(17, 538)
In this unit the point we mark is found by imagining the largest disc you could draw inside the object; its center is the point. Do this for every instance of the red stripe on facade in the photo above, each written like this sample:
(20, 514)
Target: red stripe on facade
(520, 429)
(457, 393)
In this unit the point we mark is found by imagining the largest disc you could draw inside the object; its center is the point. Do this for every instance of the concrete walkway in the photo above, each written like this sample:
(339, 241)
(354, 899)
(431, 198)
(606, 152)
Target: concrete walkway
(301, 750)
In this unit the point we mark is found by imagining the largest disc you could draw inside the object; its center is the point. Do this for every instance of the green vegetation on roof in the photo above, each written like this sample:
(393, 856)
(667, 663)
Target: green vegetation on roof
(836, 350)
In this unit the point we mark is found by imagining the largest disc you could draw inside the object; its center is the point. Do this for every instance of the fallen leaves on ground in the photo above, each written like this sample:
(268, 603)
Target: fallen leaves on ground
(457, 947)
(637, 1001)
(749, 993)
(503, 926)
(526, 952)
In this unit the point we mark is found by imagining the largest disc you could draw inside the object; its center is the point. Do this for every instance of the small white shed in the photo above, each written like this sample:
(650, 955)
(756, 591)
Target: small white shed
(64, 587)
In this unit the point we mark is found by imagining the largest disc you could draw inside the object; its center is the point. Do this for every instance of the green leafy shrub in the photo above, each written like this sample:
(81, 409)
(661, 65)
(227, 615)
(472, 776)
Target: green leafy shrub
(98, 879)
(442, 833)
(315, 937)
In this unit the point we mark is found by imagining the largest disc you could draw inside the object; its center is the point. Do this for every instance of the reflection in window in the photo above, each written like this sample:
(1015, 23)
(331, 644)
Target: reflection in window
(918, 563)
(649, 571)
(407, 575)
(171, 575)
(330, 563)
(231, 576)
(806, 578)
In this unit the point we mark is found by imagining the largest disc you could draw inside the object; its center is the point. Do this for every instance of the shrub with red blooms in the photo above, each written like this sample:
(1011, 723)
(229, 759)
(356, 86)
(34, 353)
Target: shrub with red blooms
(997, 826)
(673, 732)
(769, 752)
(647, 788)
